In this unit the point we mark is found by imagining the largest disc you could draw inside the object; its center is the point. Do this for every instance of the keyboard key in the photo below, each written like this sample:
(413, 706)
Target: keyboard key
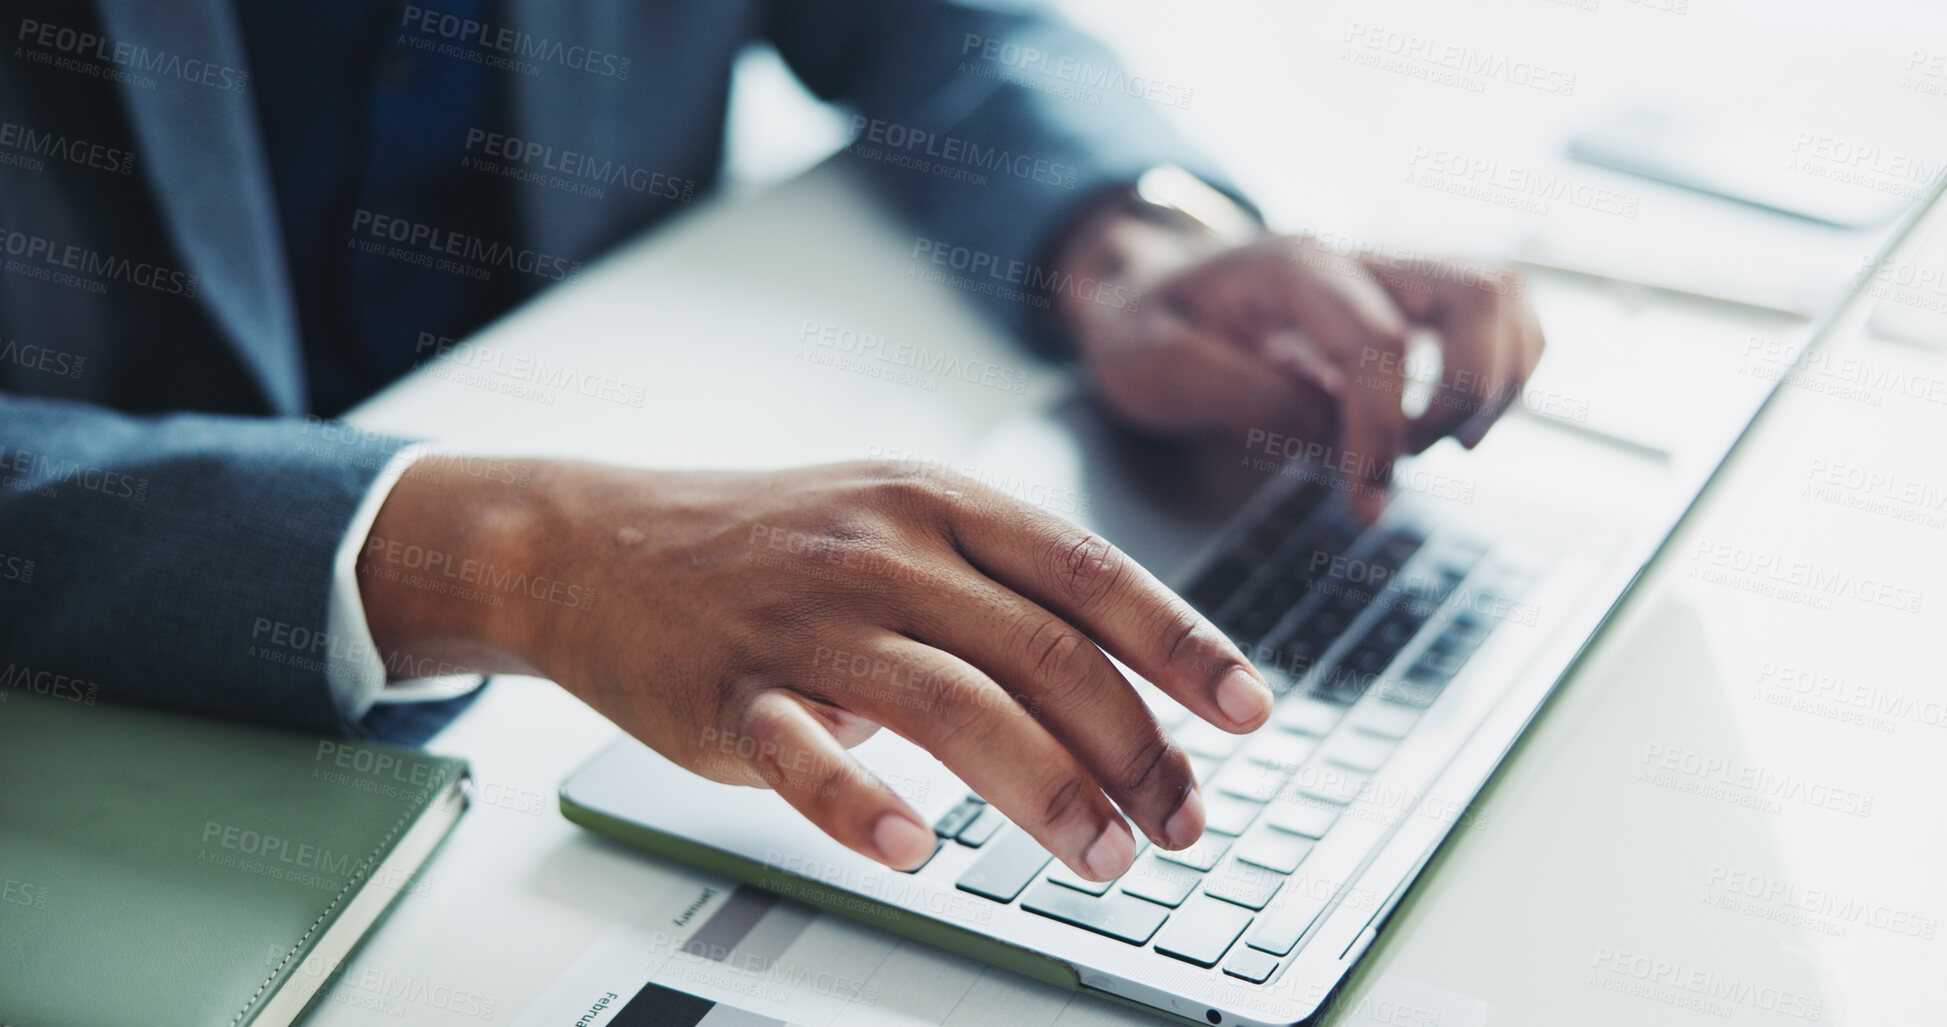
(1296, 655)
(1357, 749)
(1342, 686)
(1307, 716)
(1264, 538)
(1160, 881)
(1409, 692)
(1248, 964)
(1202, 738)
(1395, 629)
(1385, 719)
(1303, 897)
(1203, 768)
(1219, 582)
(1274, 849)
(1060, 874)
(1226, 814)
(1117, 916)
(1280, 927)
(1365, 659)
(1286, 590)
(1005, 867)
(1300, 817)
(1203, 855)
(1250, 624)
(1203, 930)
(1436, 665)
(1246, 884)
(958, 817)
(1319, 630)
(1456, 647)
(1444, 657)
(983, 827)
(1466, 629)
(1279, 749)
(1294, 508)
(1252, 782)
(1328, 783)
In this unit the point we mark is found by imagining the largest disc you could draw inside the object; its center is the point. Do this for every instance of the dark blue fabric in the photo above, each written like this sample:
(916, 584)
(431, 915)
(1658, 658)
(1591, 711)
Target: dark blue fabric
(353, 124)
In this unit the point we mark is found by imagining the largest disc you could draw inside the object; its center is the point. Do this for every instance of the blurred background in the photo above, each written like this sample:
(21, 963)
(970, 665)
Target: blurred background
(1497, 129)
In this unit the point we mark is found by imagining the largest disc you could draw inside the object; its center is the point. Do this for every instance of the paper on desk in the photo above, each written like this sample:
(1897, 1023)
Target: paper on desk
(765, 960)
(721, 955)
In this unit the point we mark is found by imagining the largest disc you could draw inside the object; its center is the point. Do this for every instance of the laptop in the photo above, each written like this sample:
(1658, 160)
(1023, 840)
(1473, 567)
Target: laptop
(1407, 657)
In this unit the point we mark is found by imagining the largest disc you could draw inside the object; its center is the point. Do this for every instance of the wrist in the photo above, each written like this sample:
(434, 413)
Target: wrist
(434, 571)
(1134, 239)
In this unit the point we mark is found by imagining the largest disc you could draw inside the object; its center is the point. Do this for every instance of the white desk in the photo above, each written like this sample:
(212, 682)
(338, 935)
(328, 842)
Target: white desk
(1578, 855)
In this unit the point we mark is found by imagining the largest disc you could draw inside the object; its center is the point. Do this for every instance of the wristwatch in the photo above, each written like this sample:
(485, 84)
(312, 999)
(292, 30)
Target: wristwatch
(1166, 191)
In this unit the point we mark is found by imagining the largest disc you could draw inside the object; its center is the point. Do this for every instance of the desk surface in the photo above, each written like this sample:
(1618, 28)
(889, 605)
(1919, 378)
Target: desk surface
(1729, 813)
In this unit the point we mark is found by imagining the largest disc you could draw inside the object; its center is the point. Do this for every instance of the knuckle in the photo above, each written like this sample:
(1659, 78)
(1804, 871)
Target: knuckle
(1065, 799)
(1054, 650)
(1087, 567)
(909, 494)
(962, 713)
(856, 532)
(1190, 641)
(1152, 757)
(910, 485)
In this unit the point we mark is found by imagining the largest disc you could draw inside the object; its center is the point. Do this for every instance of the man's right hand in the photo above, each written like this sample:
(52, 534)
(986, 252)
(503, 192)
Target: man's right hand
(752, 627)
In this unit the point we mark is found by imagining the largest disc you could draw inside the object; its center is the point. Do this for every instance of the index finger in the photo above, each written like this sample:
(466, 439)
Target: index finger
(1091, 584)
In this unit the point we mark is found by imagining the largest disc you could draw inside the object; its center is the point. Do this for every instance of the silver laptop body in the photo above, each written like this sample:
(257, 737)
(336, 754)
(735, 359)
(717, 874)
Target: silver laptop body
(1462, 609)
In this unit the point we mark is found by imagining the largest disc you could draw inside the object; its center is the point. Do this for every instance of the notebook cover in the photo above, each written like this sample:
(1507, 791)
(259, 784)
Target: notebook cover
(162, 870)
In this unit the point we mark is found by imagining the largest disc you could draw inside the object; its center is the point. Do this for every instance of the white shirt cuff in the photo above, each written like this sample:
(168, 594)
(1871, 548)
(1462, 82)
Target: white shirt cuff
(353, 667)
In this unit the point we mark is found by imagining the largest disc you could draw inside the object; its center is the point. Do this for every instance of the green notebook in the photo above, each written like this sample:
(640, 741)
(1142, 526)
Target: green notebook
(160, 869)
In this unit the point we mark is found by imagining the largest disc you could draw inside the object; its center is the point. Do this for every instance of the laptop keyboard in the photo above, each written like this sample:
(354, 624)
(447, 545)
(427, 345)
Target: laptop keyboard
(1325, 609)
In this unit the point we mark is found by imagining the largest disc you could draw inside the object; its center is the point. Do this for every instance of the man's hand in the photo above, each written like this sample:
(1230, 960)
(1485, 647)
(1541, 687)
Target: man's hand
(752, 627)
(1282, 335)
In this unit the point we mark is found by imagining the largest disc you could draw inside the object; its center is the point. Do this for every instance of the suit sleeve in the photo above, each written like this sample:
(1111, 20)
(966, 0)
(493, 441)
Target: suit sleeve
(183, 560)
(988, 124)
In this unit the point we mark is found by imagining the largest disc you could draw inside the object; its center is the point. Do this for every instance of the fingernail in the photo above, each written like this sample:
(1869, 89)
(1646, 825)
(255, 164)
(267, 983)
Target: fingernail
(1242, 699)
(1111, 852)
(900, 841)
(1186, 824)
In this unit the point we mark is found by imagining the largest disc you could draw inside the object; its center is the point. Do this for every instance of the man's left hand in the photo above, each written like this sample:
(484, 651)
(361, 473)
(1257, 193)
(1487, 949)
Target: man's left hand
(1283, 335)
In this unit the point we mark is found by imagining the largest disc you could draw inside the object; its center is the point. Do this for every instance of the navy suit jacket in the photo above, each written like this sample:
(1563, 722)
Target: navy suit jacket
(168, 515)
